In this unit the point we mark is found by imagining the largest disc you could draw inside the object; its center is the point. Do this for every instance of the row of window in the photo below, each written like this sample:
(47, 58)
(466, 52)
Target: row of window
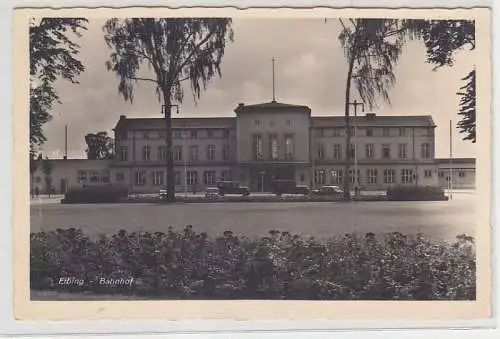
(270, 123)
(176, 134)
(425, 151)
(158, 178)
(371, 176)
(461, 174)
(225, 133)
(369, 132)
(92, 176)
(178, 153)
(274, 152)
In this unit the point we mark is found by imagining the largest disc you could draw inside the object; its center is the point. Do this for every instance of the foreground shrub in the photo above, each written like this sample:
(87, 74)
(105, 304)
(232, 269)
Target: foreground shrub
(415, 193)
(180, 265)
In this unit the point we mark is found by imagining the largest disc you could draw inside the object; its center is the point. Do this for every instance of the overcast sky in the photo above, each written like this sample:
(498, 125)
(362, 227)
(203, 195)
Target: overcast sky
(310, 70)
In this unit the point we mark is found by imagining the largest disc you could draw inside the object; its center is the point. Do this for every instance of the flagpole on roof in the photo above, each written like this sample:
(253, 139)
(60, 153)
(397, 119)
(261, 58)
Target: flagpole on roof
(274, 79)
(451, 164)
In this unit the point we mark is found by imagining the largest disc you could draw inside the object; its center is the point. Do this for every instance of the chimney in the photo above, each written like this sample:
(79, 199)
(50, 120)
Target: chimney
(241, 104)
(123, 117)
(370, 115)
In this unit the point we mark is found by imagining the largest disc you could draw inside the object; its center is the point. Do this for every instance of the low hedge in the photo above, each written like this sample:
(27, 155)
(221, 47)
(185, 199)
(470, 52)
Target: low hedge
(95, 194)
(259, 198)
(190, 265)
(415, 193)
(273, 198)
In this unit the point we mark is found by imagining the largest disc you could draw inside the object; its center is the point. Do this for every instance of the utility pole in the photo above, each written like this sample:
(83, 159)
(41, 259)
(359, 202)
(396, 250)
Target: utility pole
(274, 80)
(65, 142)
(355, 104)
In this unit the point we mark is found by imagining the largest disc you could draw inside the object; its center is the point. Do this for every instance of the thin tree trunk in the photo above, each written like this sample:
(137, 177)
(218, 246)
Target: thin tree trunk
(169, 156)
(347, 191)
(32, 183)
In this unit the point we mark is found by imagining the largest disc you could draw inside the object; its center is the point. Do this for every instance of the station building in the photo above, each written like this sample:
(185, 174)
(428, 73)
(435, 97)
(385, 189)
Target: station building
(461, 172)
(261, 143)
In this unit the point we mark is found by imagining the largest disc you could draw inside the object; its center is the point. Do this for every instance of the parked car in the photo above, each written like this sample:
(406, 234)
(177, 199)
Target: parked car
(163, 194)
(289, 187)
(328, 190)
(232, 187)
(212, 192)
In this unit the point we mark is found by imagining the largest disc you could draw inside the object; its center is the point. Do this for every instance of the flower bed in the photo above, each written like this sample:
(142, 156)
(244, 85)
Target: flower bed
(190, 265)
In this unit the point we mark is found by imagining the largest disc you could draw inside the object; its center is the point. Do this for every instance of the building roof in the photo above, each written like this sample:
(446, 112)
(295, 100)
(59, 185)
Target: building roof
(159, 123)
(372, 120)
(270, 106)
(446, 161)
(369, 120)
(71, 159)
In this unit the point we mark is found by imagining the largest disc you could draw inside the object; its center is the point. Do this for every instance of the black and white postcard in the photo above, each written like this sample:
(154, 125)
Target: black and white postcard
(256, 164)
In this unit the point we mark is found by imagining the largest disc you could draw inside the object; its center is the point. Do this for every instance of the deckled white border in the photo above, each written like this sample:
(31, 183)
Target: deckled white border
(180, 325)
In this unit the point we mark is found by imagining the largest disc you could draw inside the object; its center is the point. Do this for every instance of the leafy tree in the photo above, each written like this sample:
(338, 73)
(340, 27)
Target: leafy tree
(99, 146)
(34, 164)
(174, 49)
(52, 56)
(442, 39)
(372, 48)
(467, 107)
(47, 170)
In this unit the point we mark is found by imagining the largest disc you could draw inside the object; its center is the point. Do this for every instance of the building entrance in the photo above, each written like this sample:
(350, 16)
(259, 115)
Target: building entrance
(63, 186)
(262, 178)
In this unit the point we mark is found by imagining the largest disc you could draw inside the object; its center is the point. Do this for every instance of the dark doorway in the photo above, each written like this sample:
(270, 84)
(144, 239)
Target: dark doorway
(63, 186)
(262, 179)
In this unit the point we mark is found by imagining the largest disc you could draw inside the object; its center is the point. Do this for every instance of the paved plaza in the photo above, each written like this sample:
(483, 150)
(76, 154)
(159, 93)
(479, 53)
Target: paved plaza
(440, 219)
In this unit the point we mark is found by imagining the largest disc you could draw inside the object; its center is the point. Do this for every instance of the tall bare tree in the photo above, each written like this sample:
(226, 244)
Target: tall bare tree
(173, 50)
(53, 55)
(372, 48)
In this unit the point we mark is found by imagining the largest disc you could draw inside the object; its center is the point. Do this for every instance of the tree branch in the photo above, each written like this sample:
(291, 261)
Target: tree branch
(183, 43)
(367, 55)
(362, 76)
(343, 25)
(179, 69)
(143, 79)
(150, 46)
(143, 54)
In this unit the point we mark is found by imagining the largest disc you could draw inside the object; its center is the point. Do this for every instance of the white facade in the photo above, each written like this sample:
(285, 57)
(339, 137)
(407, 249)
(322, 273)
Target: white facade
(462, 174)
(261, 143)
(390, 151)
(67, 173)
(203, 148)
(271, 141)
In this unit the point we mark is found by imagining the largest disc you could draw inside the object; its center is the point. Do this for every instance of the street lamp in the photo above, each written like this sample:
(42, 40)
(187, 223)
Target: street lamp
(313, 183)
(262, 173)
